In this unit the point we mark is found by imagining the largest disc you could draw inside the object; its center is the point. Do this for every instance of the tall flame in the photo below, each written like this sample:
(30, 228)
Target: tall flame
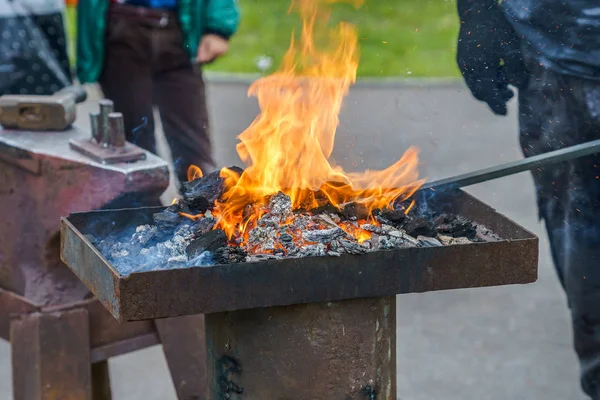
(288, 145)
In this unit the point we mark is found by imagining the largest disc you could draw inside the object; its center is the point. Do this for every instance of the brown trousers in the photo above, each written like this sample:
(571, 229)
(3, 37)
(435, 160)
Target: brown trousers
(145, 65)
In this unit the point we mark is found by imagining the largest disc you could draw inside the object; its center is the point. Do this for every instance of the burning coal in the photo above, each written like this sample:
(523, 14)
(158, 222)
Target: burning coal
(187, 233)
(291, 201)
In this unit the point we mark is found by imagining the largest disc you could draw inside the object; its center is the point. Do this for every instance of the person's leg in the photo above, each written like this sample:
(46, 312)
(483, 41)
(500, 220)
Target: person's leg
(126, 78)
(556, 112)
(181, 101)
(179, 93)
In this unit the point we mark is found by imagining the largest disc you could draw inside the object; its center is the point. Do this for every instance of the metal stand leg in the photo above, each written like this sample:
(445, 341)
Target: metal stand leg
(51, 356)
(185, 350)
(101, 381)
(320, 351)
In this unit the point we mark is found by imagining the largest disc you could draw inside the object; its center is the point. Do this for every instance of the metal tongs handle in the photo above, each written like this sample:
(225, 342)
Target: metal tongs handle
(514, 167)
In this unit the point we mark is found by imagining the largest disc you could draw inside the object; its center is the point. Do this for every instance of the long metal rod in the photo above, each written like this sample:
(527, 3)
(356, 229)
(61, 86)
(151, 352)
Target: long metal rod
(515, 167)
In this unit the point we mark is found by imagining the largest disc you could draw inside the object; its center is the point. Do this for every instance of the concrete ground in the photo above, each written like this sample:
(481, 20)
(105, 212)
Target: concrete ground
(495, 343)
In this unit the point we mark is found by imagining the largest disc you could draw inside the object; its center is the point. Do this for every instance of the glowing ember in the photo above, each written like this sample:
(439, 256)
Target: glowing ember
(287, 147)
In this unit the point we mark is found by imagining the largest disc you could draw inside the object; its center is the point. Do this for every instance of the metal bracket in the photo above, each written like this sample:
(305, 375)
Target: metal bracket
(107, 144)
(108, 155)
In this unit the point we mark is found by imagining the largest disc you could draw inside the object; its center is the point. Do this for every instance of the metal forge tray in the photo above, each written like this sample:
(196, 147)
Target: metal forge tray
(202, 290)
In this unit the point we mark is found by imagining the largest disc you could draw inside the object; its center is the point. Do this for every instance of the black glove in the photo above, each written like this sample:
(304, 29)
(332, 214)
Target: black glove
(489, 53)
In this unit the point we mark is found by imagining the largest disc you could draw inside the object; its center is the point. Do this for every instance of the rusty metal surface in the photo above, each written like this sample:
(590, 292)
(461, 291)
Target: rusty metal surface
(108, 335)
(108, 155)
(169, 293)
(11, 305)
(42, 180)
(113, 349)
(184, 346)
(320, 351)
(51, 357)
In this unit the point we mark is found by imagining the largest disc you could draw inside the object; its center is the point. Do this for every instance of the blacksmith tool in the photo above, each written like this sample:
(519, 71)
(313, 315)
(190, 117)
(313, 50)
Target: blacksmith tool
(515, 167)
(107, 144)
(41, 113)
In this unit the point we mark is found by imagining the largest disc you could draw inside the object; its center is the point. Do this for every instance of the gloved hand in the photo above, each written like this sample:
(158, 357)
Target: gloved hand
(489, 53)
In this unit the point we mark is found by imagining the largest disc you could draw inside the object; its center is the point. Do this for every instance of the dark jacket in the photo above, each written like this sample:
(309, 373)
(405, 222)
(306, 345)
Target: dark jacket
(565, 34)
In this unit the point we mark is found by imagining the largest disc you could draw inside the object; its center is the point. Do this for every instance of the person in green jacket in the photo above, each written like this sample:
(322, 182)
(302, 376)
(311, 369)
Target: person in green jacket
(147, 53)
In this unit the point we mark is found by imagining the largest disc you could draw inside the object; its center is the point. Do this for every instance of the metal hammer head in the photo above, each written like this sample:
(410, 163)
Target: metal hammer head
(40, 113)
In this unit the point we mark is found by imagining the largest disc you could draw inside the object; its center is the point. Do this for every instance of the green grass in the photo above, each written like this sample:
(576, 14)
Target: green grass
(71, 27)
(406, 38)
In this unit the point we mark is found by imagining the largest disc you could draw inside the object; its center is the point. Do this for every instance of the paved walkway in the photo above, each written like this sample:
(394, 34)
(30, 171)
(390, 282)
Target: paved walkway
(496, 343)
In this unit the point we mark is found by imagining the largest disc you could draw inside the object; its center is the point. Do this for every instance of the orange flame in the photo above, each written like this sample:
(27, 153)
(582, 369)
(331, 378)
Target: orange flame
(288, 145)
(194, 172)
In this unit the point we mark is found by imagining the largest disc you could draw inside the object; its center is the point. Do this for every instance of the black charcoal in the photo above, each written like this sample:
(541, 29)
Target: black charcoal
(209, 188)
(176, 207)
(167, 220)
(395, 216)
(229, 255)
(197, 205)
(418, 226)
(455, 226)
(355, 211)
(203, 225)
(324, 209)
(210, 241)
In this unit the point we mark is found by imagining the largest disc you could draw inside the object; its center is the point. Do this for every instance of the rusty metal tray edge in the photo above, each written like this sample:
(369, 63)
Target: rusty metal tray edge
(168, 293)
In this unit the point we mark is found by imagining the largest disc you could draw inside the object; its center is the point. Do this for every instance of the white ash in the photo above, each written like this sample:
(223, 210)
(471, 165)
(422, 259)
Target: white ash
(147, 248)
(384, 230)
(280, 207)
(278, 234)
(324, 235)
(313, 250)
(261, 239)
(182, 258)
(346, 246)
(449, 240)
(425, 241)
(390, 242)
(326, 219)
(143, 234)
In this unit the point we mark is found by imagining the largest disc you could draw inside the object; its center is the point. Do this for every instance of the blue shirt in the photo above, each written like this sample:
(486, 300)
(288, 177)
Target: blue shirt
(163, 4)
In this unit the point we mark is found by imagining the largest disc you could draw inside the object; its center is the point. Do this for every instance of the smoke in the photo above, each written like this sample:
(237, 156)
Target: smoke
(146, 247)
(139, 130)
